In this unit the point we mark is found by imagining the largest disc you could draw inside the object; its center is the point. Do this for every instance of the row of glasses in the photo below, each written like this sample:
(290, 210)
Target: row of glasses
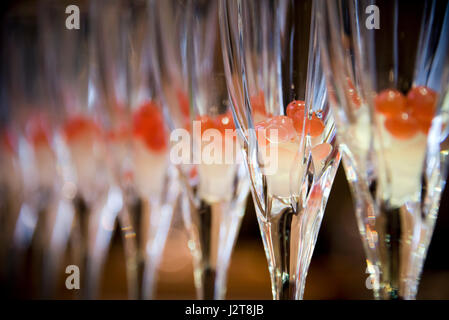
(86, 118)
(91, 146)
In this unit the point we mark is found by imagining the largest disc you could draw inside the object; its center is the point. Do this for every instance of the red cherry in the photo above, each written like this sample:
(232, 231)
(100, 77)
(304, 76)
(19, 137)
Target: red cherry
(315, 126)
(284, 126)
(294, 107)
(148, 123)
(295, 110)
(206, 123)
(402, 127)
(424, 125)
(225, 121)
(421, 102)
(390, 103)
(79, 125)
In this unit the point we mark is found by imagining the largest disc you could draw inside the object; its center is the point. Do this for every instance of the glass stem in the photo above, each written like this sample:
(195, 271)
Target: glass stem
(395, 239)
(289, 239)
(213, 229)
(281, 238)
(129, 217)
(62, 220)
(98, 224)
(228, 237)
(405, 235)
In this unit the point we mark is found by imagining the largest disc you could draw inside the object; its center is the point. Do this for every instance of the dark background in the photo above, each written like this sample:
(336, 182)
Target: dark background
(337, 270)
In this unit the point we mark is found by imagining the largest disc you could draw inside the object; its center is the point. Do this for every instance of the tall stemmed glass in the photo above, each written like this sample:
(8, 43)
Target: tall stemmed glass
(277, 87)
(194, 86)
(138, 136)
(388, 86)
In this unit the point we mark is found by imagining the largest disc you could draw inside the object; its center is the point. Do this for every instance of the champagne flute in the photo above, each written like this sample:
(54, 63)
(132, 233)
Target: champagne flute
(388, 86)
(194, 89)
(277, 89)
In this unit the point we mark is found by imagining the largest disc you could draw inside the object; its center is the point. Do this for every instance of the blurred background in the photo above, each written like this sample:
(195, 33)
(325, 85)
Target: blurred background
(337, 271)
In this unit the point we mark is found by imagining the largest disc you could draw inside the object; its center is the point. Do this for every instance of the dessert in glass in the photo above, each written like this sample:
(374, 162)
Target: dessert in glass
(388, 88)
(285, 127)
(215, 181)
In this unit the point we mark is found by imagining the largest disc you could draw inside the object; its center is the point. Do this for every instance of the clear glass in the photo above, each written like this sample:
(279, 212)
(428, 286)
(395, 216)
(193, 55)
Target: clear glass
(275, 82)
(387, 80)
(194, 88)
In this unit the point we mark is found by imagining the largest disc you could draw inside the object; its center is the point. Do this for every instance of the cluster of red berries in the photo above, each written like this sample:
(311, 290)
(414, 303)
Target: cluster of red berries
(406, 116)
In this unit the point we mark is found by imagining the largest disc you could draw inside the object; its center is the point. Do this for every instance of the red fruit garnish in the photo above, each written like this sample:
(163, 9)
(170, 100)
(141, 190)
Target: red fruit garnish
(38, 131)
(390, 103)
(221, 123)
(294, 107)
(421, 101)
(295, 110)
(284, 126)
(206, 123)
(225, 121)
(424, 125)
(148, 125)
(402, 127)
(258, 103)
(315, 126)
(79, 125)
